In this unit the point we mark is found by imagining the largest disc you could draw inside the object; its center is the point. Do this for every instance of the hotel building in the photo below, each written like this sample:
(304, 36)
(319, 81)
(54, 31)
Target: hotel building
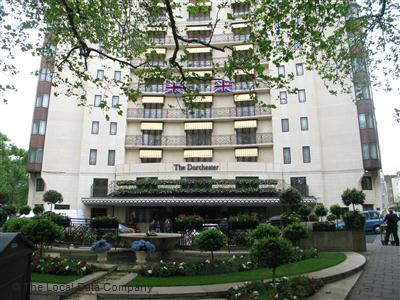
(318, 142)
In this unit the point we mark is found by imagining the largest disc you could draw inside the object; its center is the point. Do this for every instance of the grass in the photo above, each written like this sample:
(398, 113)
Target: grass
(51, 278)
(323, 261)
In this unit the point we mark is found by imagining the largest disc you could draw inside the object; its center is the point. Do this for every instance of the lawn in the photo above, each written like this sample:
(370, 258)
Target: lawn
(51, 278)
(323, 261)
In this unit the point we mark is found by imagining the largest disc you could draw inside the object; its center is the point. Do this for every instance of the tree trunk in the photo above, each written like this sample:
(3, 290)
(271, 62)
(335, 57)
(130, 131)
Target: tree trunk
(273, 277)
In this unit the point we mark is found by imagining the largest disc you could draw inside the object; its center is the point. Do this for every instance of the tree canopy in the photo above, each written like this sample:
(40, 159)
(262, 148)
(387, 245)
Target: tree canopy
(13, 175)
(333, 37)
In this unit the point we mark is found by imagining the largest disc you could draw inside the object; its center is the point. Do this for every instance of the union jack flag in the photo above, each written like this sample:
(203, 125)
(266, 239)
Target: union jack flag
(223, 86)
(173, 88)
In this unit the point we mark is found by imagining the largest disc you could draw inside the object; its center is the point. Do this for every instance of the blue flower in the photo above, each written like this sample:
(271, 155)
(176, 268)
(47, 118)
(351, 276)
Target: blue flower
(143, 245)
(100, 246)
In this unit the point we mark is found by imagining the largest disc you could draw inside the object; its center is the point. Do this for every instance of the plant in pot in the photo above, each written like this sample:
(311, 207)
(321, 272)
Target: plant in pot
(353, 220)
(336, 211)
(101, 247)
(295, 232)
(304, 211)
(141, 249)
(290, 197)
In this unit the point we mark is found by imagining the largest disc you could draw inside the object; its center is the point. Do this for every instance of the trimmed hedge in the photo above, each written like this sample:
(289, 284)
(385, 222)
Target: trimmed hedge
(104, 222)
(324, 226)
(189, 223)
(205, 182)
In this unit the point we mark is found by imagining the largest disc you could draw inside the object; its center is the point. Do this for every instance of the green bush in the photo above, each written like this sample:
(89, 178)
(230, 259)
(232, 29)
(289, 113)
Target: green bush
(353, 197)
(313, 218)
(15, 224)
(289, 218)
(189, 222)
(25, 210)
(52, 197)
(321, 211)
(304, 211)
(63, 221)
(324, 226)
(336, 210)
(331, 218)
(243, 239)
(210, 240)
(290, 197)
(263, 231)
(353, 220)
(10, 209)
(295, 232)
(3, 217)
(272, 252)
(243, 221)
(38, 209)
(104, 222)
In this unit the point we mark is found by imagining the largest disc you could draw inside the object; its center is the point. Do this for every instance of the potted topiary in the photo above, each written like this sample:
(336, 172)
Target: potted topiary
(264, 230)
(24, 210)
(101, 247)
(304, 211)
(38, 209)
(321, 211)
(142, 248)
(295, 232)
(52, 197)
(210, 240)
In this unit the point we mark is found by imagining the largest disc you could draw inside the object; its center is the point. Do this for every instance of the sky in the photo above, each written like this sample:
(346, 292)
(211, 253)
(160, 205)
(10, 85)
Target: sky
(16, 116)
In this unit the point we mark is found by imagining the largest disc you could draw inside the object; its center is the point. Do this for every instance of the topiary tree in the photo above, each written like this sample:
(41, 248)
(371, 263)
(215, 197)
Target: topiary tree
(210, 240)
(52, 197)
(353, 197)
(321, 211)
(313, 218)
(304, 211)
(10, 209)
(15, 224)
(41, 231)
(295, 232)
(336, 210)
(331, 218)
(25, 210)
(38, 209)
(264, 230)
(272, 252)
(290, 197)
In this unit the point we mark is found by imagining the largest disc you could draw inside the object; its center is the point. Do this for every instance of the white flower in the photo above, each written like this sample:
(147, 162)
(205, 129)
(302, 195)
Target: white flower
(149, 271)
(235, 287)
(243, 266)
(233, 257)
(207, 261)
(161, 261)
(67, 267)
(249, 262)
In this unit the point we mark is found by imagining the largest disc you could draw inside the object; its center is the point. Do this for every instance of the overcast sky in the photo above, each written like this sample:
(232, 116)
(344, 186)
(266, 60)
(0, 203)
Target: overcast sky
(16, 116)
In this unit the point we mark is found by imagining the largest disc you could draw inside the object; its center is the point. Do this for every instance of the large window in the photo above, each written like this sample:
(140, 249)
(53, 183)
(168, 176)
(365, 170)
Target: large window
(246, 136)
(281, 70)
(304, 123)
(366, 121)
(203, 36)
(287, 159)
(42, 100)
(302, 96)
(35, 155)
(285, 125)
(299, 69)
(97, 100)
(240, 9)
(92, 157)
(152, 137)
(100, 188)
(117, 75)
(113, 128)
(283, 97)
(247, 159)
(111, 158)
(245, 108)
(152, 111)
(198, 137)
(306, 154)
(244, 82)
(157, 37)
(201, 85)
(200, 15)
(241, 34)
(100, 74)
(154, 85)
(95, 127)
(200, 60)
(199, 112)
(366, 183)
(45, 75)
(300, 184)
(363, 92)
(39, 185)
(39, 127)
(115, 101)
(369, 151)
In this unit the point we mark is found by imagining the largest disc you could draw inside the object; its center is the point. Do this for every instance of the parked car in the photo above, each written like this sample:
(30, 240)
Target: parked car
(207, 226)
(372, 223)
(276, 221)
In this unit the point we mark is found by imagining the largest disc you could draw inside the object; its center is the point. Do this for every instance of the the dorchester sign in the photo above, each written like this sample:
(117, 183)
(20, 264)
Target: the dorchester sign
(190, 167)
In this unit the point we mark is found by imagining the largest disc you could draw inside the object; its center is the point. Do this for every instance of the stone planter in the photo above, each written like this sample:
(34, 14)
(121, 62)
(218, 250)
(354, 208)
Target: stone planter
(141, 258)
(102, 257)
(336, 241)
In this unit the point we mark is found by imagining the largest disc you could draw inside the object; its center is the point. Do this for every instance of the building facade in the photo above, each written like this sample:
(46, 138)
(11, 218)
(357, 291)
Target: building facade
(313, 140)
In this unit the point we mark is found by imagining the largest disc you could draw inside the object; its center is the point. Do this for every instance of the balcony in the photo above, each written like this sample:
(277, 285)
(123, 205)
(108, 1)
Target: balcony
(216, 39)
(179, 141)
(216, 113)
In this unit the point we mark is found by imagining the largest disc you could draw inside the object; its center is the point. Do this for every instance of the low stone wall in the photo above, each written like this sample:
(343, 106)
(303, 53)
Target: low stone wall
(336, 241)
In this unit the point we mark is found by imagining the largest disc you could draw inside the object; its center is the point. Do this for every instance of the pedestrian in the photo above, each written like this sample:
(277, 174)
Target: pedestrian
(167, 225)
(391, 220)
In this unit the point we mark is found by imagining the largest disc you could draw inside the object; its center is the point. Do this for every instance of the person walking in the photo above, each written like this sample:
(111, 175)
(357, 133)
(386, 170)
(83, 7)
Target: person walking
(167, 225)
(391, 220)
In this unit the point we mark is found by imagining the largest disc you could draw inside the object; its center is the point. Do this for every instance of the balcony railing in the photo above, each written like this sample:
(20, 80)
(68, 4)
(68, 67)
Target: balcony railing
(217, 38)
(220, 112)
(216, 140)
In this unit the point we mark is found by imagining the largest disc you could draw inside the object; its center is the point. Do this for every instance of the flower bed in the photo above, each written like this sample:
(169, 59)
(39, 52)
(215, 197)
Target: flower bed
(61, 266)
(299, 288)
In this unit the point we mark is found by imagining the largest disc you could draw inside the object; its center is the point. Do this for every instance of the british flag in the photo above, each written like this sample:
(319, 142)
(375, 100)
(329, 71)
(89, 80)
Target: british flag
(223, 86)
(173, 88)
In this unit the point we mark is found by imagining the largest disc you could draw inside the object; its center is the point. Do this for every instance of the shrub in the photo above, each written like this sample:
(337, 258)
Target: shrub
(63, 221)
(100, 246)
(263, 231)
(243, 239)
(321, 211)
(15, 224)
(353, 197)
(290, 218)
(41, 231)
(313, 218)
(210, 240)
(60, 266)
(10, 209)
(272, 252)
(331, 218)
(189, 222)
(105, 222)
(38, 209)
(295, 232)
(52, 197)
(353, 220)
(336, 210)
(304, 211)
(290, 197)
(324, 226)
(143, 245)
(3, 217)
(25, 210)
(243, 221)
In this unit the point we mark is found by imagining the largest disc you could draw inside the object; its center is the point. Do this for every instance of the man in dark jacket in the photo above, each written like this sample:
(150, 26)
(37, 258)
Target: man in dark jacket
(391, 220)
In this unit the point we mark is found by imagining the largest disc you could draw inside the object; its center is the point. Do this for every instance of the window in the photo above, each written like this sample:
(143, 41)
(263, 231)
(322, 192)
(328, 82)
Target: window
(157, 37)
(203, 36)
(286, 155)
(39, 185)
(200, 60)
(283, 97)
(113, 128)
(369, 151)
(306, 154)
(39, 127)
(35, 156)
(92, 157)
(200, 15)
(154, 85)
(111, 158)
(363, 92)
(100, 74)
(241, 34)
(247, 159)
(156, 60)
(246, 136)
(366, 121)
(198, 137)
(42, 100)
(199, 112)
(302, 96)
(366, 183)
(95, 127)
(299, 69)
(245, 109)
(240, 9)
(150, 160)
(281, 70)
(100, 188)
(285, 125)
(115, 101)
(152, 111)
(152, 138)
(45, 75)
(201, 85)
(97, 100)
(198, 159)
(117, 75)
(300, 184)
(304, 123)
(244, 82)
